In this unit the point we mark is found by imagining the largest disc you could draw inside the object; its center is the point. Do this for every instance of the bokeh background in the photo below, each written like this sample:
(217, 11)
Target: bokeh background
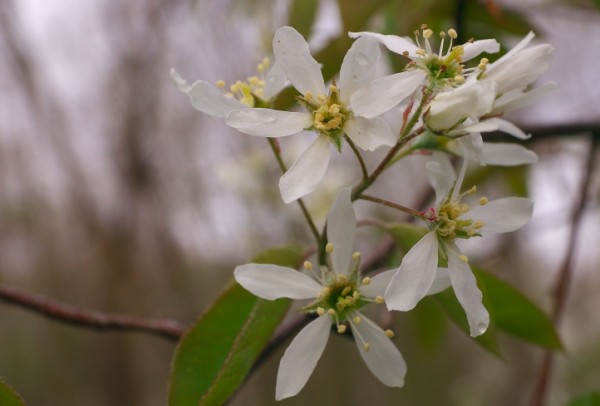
(117, 196)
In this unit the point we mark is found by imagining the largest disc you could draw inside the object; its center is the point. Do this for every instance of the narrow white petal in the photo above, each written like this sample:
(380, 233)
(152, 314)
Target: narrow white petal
(469, 146)
(467, 292)
(210, 99)
(181, 83)
(384, 93)
(301, 357)
(275, 81)
(273, 282)
(509, 128)
(268, 122)
(506, 154)
(441, 177)
(482, 127)
(506, 58)
(519, 99)
(341, 226)
(378, 284)
(472, 49)
(291, 51)
(441, 281)
(383, 358)
(394, 43)
(369, 133)
(502, 215)
(306, 173)
(358, 67)
(448, 108)
(415, 276)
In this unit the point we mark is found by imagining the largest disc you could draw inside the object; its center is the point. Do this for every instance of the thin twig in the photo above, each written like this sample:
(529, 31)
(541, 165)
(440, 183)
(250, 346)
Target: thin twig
(361, 161)
(165, 328)
(407, 210)
(566, 270)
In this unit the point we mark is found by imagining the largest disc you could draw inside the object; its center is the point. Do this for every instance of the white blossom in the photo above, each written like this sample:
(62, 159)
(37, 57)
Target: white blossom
(338, 294)
(452, 220)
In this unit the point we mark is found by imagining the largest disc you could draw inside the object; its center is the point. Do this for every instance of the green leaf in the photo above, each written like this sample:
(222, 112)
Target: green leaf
(430, 324)
(215, 355)
(406, 235)
(589, 399)
(8, 396)
(514, 313)
(597, 3)
(302, 15)
(488, 340)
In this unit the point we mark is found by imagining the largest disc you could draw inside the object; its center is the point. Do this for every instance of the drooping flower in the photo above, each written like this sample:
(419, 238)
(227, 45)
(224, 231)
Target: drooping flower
(331, 111)
(256, 91)
(338, 294)
(451, 220)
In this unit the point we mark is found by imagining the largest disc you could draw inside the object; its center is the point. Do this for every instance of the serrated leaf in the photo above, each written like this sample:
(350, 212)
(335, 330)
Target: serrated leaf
(215, 355)
(589, 399)
(8, 396)
(514, 313)
(302, 15)
(488, 340)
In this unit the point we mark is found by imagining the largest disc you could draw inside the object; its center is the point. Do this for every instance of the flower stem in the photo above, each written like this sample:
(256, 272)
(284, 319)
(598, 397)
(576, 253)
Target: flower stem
(311, 224)
(407, 210)
(361, 161)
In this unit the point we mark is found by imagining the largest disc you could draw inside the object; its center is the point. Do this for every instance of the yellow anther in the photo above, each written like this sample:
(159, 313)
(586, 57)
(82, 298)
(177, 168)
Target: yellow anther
(478, 224)
(442, 34)
(355, 295)
(459, 79)
(424, 26)
(235, 87)
(452, 33)
(366, 346)
(330, 312)
(379, 299)
(308, 95)
(229, 94)
(464, 258)
(308, 265)
(471, 233)
(421, 52)
(389, 333)
(329, 248)
(483, 200)
(220, 84)
(324, 293)
(342, 278)
(320, 311)
(341, 328)
(405, 53)
(333, 88)
(427, 33)
(346, 290)
(356, 255)
(484, 61)
(357, 320)
(366, 280)
(322, 98)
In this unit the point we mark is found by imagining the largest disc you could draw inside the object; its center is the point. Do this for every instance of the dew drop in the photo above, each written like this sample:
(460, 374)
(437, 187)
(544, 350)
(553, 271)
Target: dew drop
(481, 328)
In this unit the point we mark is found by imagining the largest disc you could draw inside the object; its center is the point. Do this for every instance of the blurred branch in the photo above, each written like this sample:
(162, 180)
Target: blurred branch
(165, 328)
(565, 274)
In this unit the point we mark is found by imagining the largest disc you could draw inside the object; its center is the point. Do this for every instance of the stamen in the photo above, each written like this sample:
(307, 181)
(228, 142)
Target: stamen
(356, 256)
(389, 333)
(366, 346)
(379, 299)
(330, 312)
(308, 266)
(452, 33)
(459, 79)
(320, 311)
(346, 290)
(464, 258)
(329, 248)
(308, 96)
(366, 280)
(357, 320)
(342, 278)
(341, 329)
(483, 200)
(220, 84)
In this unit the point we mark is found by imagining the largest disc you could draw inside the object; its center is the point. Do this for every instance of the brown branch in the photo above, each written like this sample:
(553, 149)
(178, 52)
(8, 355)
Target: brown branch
(566, 270)
(165, 328)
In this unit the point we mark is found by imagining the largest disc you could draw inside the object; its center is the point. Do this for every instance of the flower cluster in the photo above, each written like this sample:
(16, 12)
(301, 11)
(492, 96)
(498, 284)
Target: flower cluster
(448, 104)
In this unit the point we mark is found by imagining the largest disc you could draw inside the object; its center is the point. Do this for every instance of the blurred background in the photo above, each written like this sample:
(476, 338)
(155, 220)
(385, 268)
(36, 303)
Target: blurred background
(117, 196)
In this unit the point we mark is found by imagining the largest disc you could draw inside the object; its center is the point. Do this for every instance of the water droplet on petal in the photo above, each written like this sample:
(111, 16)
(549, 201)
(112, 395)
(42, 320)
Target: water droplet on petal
(481, 328)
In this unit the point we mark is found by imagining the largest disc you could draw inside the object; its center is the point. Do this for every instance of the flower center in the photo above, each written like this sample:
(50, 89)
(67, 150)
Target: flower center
(250, 91)
(448, 223)
(329, 114)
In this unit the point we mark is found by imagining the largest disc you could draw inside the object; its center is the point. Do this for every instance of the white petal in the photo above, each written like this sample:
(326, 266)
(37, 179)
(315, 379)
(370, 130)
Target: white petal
(181, 83)
(502, 215)
(384, 93)
(378, 284)
(369, 133)
(273, 282)
(275, 81)
(306, 173)
(268, 122)
(441, 281)
(210, 99)
(467, 292)
(506, 58)
(509, 128)
(441, 177)
(291, 51)
(341, 226)
(415, 275)
(448, 108)
(505, 154)
(516, 100)
(469, 146)
(383, 358)
(394, 43)
(358, 67)
(482, 127)
(472, 49)
(300, 358)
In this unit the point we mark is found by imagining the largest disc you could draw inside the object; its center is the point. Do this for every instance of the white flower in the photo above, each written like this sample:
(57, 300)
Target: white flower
(332, 112)
(255, 91)
(338, 295)
(452, 219)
